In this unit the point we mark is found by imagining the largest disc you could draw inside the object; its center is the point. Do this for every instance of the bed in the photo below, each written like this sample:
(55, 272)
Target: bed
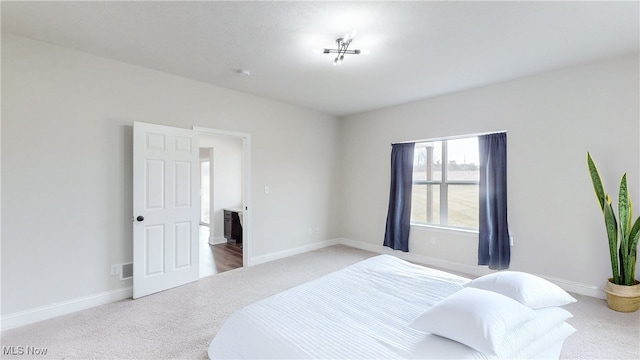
(378, 308)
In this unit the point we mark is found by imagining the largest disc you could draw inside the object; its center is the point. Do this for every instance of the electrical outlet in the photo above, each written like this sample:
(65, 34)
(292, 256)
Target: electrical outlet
(115, 269)
(511, 240)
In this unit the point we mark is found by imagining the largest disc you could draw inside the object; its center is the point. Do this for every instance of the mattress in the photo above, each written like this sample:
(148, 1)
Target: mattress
(360, 312)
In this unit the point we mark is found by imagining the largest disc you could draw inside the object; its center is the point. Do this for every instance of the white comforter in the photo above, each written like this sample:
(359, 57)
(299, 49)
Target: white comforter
(362, 311)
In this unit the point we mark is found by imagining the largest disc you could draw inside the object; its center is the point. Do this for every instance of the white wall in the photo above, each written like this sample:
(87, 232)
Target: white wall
(227, 177)
(552, 120)
(67, 171)
(66, 165)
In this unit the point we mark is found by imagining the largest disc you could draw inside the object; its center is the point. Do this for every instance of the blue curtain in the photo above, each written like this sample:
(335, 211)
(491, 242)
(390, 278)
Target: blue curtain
(493, 248)
(399, 215)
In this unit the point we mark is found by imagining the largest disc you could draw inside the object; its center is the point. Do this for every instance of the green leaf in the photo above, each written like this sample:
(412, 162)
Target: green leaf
(634, 236)
(624, 227)
(612, 234)
(623, 210)
(624, 267)
(597, 182)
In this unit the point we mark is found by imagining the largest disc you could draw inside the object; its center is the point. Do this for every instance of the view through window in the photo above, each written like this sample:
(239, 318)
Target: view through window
(445, 183)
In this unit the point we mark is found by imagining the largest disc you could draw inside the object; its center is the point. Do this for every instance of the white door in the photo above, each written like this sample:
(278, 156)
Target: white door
(166, 207)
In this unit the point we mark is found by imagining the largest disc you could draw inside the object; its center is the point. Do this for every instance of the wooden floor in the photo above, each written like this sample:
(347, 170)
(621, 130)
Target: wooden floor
(227, 257)
(217, 258)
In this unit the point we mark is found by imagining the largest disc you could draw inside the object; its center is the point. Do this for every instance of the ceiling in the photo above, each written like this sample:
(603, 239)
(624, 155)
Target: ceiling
(417, 49)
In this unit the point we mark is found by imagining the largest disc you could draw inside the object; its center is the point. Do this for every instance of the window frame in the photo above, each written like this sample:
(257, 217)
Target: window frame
(443, 184)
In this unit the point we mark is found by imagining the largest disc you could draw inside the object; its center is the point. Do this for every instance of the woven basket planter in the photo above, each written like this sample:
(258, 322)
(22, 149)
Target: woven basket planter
(621, 297)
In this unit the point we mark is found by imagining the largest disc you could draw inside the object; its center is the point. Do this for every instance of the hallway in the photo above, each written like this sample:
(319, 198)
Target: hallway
(217, 258)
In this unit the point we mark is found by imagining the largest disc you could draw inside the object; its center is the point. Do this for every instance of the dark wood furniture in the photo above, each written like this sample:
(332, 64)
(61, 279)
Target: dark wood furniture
(232, 227)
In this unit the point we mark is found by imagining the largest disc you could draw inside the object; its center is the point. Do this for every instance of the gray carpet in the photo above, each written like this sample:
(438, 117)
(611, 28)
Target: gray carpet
(602, 333)
(180, 323)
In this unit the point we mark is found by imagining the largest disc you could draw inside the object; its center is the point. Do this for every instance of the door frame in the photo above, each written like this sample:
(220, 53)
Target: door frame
(246, 186)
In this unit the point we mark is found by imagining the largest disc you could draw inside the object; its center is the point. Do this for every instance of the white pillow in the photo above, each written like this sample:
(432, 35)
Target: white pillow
(546, 346)
(530, 331)
(530, 290)
(477, 318)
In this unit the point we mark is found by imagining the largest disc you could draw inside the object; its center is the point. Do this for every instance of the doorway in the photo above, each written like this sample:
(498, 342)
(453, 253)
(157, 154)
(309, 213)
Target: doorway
(166, 174)
(206, 185)
(224, 173)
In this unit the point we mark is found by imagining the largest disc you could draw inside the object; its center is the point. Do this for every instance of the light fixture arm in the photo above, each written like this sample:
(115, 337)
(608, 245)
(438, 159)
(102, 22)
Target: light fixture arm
(342, 50)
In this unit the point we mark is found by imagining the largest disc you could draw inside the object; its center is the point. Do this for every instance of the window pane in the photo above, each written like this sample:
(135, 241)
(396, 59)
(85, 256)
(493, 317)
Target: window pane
(463, 159)
(425, 204)
(463, 206)
(427, 161)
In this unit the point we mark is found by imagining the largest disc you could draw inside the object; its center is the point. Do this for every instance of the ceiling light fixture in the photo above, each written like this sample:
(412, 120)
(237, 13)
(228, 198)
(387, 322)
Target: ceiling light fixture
(343, 48)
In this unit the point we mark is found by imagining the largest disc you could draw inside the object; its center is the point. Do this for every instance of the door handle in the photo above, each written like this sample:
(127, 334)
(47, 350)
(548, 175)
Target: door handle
(140, 218)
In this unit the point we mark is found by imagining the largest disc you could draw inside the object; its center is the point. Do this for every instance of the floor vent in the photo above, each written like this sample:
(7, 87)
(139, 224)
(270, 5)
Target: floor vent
(127, 271)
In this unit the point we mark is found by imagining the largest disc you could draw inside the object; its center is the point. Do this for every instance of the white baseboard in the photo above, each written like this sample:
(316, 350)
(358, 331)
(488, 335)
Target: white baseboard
(290, 252)
(417, 258)
(571, 286)
(46, 312)
(578, 288)
(26, 317)
(217, 240)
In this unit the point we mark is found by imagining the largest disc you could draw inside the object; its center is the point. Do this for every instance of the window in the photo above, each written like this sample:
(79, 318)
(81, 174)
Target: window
(445, 183)
(205, 187)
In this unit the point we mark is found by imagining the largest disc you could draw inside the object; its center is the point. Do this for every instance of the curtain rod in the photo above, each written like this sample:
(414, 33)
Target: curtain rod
(448, 137)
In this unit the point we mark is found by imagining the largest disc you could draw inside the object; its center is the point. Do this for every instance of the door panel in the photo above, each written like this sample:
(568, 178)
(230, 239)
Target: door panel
(166, 208)
(154, 178)
(183, 245)
(154, 250)
(183, 181)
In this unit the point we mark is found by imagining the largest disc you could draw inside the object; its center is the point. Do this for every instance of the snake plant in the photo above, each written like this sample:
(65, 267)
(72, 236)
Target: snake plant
(623, 234)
